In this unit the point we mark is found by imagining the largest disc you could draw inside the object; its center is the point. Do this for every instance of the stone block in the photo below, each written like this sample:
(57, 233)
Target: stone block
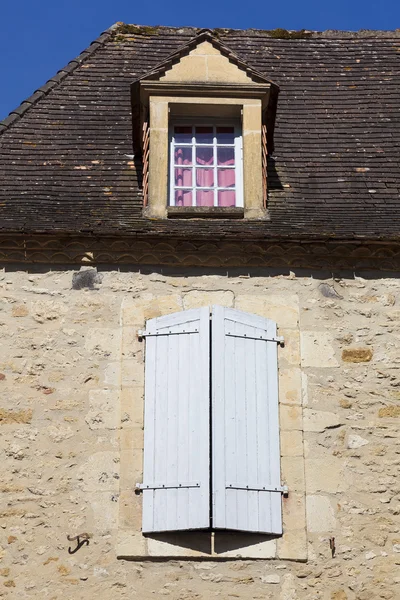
(284, 310)
(290, 353)
(294, 511)
(130, 510)
(104, 342)
(132, 406)
(317, 349)
(292, 469)
(248, 550)
(15, 417)
(324, 475)
(291, 443)
(104, 508)
(292, 546)
(99, 473)
(198, 298)
(320, 514)
(290, 418)
(389, 412)
(131, 544)
(131, 468)
(132, 373)
(103, 412)
(132, 438)
(318, 420)
(112, 374)
(290, 386)
(357, 355)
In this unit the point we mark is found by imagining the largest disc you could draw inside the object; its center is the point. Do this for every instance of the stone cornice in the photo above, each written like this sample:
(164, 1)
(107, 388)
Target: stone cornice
(172, 252)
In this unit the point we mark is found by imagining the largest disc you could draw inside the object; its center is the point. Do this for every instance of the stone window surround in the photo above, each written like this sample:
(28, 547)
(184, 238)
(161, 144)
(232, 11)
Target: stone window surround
(216, 545)
(250, 111)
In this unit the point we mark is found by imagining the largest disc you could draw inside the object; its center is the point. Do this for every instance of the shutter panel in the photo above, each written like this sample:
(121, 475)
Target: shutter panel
(245, 423)
(176, 468)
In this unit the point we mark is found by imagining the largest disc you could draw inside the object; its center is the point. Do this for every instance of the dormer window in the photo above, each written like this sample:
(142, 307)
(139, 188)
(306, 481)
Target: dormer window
(206, 164)
(204, 119)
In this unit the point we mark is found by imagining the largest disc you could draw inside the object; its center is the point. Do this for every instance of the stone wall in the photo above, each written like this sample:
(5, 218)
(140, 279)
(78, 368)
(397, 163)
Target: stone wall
(70, 423)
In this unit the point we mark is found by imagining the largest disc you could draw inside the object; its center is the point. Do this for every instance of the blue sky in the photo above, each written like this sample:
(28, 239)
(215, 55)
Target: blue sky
(38, 37)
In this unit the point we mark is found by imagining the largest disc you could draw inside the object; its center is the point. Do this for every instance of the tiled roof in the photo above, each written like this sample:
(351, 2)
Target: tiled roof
(66, 154)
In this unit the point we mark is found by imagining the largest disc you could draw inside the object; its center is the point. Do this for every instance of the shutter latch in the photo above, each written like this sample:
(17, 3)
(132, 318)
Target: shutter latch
(282, 489)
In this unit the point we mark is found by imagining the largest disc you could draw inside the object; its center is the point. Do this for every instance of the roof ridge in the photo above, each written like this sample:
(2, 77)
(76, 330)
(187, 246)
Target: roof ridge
(54, 81)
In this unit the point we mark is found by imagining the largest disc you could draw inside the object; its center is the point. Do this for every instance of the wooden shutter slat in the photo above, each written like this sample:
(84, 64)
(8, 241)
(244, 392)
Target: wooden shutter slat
(245, 441)
(176, 429)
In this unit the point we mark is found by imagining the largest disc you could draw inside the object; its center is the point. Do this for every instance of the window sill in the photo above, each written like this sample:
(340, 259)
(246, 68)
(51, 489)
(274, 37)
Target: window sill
(205, 212)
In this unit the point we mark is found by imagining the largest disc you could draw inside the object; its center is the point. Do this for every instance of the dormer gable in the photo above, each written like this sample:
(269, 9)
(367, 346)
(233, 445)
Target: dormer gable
(205, 59)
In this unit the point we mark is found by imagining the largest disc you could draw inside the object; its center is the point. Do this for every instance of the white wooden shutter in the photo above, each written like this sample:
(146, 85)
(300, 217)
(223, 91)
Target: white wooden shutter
(245, 424)
(176, 473)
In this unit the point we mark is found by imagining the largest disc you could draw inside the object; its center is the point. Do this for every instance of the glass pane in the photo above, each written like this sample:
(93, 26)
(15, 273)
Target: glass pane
(204, 156)
(226, 178)
(205, 177)
(183, 197)
(225, 135)
(183, 156)
(225, 156)
(183, 134)
(204, 135)
(227, 198)
(205, 198)
(183, 177)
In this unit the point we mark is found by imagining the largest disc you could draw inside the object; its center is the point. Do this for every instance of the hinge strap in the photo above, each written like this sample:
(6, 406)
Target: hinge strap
(282, 489)
(278, 340)
(142, 334)
(166, 486)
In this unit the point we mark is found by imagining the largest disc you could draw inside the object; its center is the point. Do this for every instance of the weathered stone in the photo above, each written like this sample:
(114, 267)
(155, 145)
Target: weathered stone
(317, 349)
(272, 578)
(11, 417)
(357, 355)
(320, 514)
(356, 441)
(317, 420)
(20, 311)
(389, 411)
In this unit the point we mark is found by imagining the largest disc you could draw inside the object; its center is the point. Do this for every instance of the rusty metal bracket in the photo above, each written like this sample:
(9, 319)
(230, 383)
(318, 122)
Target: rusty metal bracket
(81, 539)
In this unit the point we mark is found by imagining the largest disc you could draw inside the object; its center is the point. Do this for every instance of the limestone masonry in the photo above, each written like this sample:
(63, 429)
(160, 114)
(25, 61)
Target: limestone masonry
(71, 418)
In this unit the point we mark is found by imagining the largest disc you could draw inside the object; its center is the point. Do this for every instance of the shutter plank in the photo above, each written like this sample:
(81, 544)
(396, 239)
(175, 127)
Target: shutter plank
(176, 436)
(245, 441)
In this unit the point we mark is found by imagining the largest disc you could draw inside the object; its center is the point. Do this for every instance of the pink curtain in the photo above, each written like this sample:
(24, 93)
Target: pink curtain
(205, 198)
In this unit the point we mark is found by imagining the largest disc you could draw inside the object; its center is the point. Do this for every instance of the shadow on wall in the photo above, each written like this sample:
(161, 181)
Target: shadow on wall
(201, 541)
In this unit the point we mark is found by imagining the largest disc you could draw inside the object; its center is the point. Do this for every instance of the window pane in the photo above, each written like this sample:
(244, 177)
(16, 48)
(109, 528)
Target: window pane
(204, 198)
(226, 177)
(226, 156)
(225, 135)
(227, 198)
(204, 156)
(183, 197)
(183, 134)
(183, 177)
(183, 156)
(204, 135)
(205, 177)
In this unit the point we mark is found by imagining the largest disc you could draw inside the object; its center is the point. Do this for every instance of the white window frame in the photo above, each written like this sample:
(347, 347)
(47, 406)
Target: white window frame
(238, 146)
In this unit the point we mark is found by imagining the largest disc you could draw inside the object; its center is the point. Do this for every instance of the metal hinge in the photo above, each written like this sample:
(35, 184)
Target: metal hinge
(166, 486)
(282, 489)
(279, 340)
(141, 334)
